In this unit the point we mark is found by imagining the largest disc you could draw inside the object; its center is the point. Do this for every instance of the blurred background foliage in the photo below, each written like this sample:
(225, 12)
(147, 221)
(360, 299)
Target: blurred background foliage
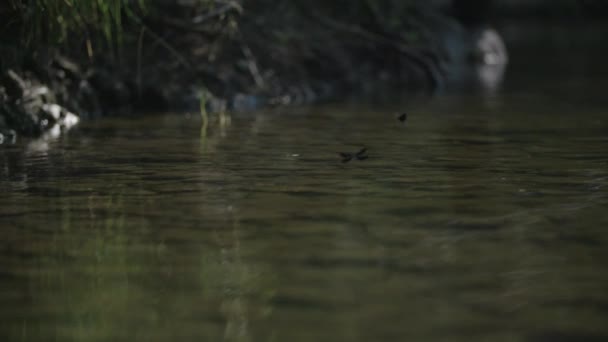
(101, 24)
(55, 22)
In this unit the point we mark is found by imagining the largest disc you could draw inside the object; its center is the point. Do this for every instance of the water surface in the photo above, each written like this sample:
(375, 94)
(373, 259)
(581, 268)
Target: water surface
(483, 218)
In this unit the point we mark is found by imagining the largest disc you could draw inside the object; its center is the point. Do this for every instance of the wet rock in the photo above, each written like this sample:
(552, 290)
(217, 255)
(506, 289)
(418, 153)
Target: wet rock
(21, 120)
(7, 136)
(28, 107)
(473, 56)
(488, 48)
(60, 115)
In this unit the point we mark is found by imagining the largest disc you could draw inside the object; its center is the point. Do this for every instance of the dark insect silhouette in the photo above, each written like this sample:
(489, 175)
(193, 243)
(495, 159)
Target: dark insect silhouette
(361, 155)
(346, 157)
(402, 117)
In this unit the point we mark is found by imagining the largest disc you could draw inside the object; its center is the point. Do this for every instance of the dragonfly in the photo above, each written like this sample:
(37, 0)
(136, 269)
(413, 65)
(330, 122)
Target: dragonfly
(361, 155)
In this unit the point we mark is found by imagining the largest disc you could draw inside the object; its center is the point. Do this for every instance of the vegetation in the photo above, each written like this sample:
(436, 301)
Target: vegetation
(53, 21)
(104, 23)
(146, 55)
(129, 54)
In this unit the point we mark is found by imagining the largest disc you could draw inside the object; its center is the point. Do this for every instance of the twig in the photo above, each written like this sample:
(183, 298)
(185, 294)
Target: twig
(252, 65)
(180, 58)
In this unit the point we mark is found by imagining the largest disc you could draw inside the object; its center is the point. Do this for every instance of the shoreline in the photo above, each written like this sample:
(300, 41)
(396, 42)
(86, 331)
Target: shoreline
(230, 59)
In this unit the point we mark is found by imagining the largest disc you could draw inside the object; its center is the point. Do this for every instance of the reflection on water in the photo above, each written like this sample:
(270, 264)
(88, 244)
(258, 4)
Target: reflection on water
(480, 219)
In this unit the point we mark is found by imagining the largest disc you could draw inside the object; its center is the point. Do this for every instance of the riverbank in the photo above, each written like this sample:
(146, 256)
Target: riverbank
(175, 56)
(233, 57)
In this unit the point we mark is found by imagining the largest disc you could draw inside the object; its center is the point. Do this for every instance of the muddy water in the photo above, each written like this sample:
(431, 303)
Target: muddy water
(483, 218)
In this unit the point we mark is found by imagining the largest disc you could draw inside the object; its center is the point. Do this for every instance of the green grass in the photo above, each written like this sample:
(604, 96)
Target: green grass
(103, 24)
(56, 22)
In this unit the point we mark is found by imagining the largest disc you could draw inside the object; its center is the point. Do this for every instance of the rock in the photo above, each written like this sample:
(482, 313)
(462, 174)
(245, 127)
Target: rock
(60, 115)
(53, 111)
(8, 136)
(30, 108)
(488, 48)
(69, 68)
(69, 119)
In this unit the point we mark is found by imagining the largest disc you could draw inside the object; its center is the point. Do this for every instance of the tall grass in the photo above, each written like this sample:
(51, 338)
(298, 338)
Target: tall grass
(59, 21)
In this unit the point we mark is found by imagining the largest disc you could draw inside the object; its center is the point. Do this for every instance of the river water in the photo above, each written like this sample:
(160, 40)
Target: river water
(482, 218)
